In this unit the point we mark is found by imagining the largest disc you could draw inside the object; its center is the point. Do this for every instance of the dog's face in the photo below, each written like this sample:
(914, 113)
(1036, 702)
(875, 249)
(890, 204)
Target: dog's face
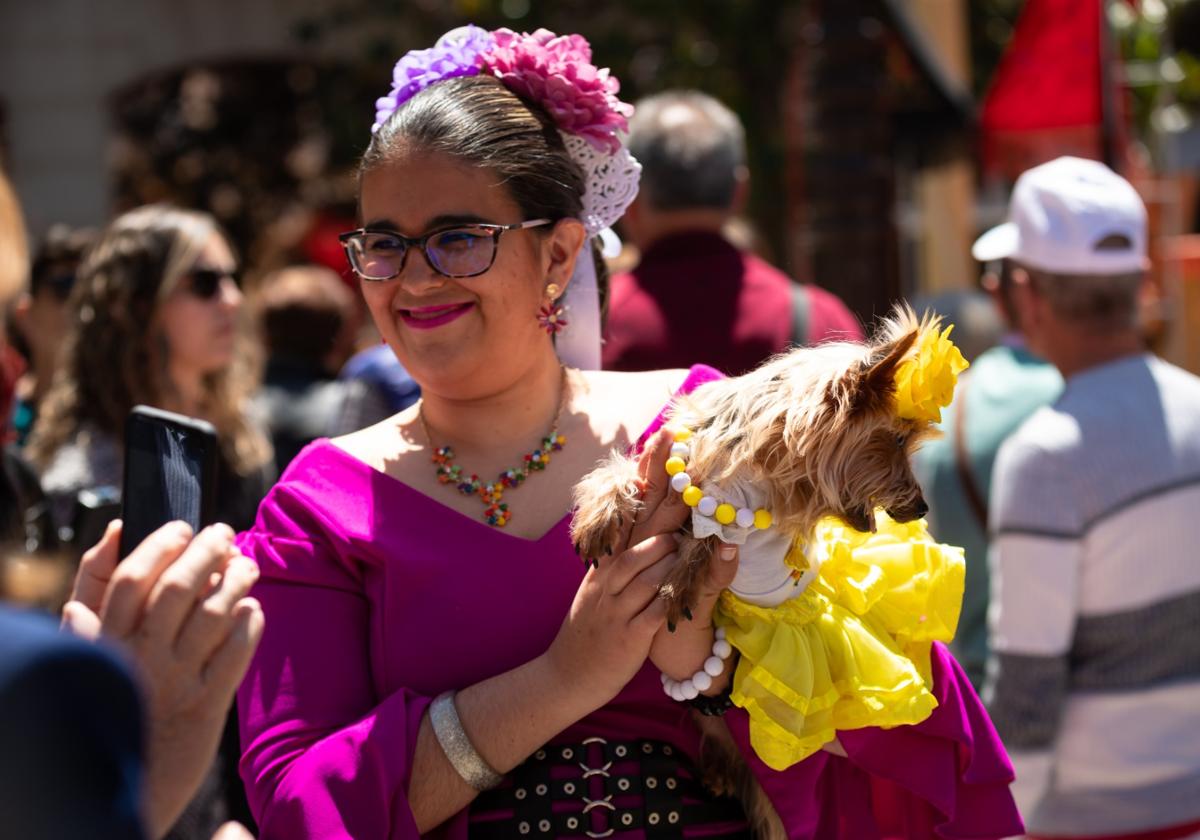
(819, 428)
(858, 450)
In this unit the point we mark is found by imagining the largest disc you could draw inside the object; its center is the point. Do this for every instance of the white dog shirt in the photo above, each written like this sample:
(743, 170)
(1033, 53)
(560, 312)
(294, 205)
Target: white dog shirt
(763, 577)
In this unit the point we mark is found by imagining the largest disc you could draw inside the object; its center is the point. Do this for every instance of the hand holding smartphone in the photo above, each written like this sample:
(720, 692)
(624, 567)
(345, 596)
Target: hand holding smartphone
(170, 473)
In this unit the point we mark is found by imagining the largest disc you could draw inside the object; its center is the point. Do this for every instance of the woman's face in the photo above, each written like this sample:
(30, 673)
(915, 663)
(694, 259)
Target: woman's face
(198, 318)
(469, 336)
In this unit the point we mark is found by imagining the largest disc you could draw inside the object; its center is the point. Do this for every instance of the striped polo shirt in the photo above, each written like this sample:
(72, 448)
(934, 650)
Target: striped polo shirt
(1094, 679)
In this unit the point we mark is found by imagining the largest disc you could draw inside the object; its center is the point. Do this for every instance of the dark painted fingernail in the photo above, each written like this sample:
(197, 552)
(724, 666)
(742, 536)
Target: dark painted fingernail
(670, 626)
(687, 613)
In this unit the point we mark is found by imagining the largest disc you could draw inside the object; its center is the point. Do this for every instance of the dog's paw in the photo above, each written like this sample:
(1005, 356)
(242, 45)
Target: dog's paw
(606, 502)
(684, 584)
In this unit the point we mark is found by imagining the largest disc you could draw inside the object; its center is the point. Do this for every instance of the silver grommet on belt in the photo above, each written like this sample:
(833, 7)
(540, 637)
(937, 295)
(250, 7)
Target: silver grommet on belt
(652, 819)
(651, 783)
(523, 827)
(673, 817)
(569, 788)
(520, 794)
(544, 825)
(672, 784)
(541, 790)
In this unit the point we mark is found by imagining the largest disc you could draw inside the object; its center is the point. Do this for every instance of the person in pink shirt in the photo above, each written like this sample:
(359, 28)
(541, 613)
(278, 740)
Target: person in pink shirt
(437, 660)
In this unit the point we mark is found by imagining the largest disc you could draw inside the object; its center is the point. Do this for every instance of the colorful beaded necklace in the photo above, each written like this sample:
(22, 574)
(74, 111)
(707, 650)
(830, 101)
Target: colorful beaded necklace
(497, 512)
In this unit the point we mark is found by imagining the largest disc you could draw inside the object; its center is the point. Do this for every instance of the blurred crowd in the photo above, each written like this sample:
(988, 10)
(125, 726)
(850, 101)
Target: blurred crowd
(1070, 457)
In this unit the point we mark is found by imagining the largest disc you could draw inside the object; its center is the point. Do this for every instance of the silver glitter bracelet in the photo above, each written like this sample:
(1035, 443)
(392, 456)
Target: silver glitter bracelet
(457, 746)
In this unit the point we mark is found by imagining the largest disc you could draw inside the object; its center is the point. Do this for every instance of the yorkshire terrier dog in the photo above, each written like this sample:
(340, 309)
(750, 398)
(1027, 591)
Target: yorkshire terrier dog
(817, 432)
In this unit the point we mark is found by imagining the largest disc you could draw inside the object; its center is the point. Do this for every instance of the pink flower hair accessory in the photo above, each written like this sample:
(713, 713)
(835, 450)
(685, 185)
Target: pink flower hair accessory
(556, 71)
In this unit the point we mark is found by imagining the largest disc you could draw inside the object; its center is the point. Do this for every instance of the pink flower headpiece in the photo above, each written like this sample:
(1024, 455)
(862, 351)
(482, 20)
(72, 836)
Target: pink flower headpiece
(555, 71)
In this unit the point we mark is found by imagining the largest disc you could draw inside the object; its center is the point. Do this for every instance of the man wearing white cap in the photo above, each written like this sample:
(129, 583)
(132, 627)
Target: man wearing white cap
(1094, 677)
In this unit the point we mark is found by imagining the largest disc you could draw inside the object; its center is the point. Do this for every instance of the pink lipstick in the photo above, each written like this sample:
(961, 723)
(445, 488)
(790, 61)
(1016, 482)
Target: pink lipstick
(429, 317)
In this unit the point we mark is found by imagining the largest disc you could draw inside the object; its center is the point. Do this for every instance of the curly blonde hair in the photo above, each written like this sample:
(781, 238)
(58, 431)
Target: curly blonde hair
(115, 358)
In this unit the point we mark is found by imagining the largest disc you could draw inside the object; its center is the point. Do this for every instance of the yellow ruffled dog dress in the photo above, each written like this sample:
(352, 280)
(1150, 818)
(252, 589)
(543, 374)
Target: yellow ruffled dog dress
(849, 646)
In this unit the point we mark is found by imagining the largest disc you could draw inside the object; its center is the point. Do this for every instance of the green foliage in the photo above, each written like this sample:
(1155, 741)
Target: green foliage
(1160, 44)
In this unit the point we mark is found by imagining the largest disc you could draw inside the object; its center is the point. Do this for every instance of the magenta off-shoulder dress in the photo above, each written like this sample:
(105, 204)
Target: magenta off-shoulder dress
(378, 598)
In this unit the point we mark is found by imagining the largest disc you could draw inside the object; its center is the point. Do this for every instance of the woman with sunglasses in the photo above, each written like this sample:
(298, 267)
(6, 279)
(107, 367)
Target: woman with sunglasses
(437, 659)
(154, 321)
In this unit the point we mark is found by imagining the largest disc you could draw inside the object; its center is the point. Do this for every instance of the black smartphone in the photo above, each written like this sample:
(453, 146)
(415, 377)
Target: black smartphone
(170, 473)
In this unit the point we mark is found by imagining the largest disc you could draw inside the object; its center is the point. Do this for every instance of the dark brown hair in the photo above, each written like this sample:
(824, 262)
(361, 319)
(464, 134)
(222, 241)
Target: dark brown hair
(303, 312)
(479, 121)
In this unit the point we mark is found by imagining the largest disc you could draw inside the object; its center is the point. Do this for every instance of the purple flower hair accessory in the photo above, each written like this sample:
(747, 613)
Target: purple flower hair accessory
(457, 53)
(556, 71)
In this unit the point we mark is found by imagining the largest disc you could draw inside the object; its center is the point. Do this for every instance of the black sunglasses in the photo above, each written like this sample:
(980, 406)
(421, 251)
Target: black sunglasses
(205, 283)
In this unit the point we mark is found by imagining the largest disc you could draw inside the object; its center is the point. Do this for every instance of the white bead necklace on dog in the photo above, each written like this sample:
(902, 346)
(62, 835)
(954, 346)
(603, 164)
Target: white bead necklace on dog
(702, 680)
(735, 513)
(693, 496)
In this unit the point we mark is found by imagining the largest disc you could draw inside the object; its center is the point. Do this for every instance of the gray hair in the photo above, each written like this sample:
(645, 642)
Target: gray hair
(1099, 302)
(691, 147)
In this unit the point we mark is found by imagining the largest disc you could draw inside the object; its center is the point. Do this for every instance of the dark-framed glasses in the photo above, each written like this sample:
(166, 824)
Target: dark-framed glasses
(205, 283)
(461, 251)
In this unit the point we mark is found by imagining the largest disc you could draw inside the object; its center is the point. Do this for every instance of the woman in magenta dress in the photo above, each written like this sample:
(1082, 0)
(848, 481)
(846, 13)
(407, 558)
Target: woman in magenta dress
(437, 659)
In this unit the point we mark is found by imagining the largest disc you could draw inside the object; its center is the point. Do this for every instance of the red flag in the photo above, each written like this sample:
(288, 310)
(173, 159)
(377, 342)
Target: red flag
(1046, 98)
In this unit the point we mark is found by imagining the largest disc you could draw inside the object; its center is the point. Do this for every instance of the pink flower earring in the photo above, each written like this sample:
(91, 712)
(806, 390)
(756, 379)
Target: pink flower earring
(550, 316)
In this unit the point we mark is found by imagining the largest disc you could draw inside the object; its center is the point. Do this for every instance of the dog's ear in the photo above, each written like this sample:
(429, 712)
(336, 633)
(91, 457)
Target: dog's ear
(873, 383)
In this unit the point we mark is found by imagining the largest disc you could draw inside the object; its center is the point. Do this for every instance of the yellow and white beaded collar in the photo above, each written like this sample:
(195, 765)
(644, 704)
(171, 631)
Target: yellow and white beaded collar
(706, 504)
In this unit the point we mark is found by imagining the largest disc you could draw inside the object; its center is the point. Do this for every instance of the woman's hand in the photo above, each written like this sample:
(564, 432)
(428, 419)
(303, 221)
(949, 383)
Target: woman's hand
(680, 651)
(617, 611)
(179, 604)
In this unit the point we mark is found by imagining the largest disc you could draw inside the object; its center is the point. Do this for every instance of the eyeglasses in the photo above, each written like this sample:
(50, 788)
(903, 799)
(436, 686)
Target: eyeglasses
(205, 283)
(464, 251)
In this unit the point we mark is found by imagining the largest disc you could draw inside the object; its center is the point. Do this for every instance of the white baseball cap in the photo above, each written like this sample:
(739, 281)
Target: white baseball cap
(1060, 212)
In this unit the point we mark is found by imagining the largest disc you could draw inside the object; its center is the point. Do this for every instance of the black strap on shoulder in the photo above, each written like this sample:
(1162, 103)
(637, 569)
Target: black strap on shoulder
(800, 315)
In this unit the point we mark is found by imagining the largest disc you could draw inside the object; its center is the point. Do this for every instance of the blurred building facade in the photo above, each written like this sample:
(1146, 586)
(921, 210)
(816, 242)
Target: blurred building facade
(62, 62)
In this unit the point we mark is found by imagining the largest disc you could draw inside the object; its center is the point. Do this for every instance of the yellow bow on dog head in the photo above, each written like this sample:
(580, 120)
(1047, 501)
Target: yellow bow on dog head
(925, 380)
